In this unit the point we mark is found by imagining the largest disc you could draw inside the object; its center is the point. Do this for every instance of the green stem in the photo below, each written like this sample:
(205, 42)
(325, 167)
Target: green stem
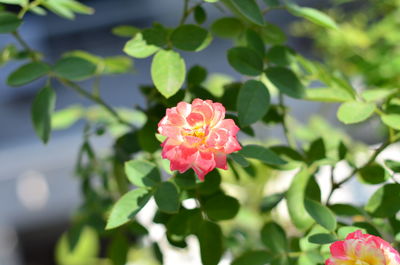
(290, 140)
(337, 185)
(25, 45)
(26, 8)
(184, 12)
(95, 99)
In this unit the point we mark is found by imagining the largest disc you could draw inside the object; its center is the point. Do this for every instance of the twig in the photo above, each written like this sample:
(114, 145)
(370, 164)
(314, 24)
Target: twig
(337, 185)
(95, 99)
(184, 12)
(25, 45)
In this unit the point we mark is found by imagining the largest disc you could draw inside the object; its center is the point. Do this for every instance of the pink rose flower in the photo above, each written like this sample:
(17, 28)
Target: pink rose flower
(363, 249)
(198, 136)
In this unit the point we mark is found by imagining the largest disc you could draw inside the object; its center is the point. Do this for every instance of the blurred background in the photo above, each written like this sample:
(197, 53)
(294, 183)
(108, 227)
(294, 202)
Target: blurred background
(38, 192)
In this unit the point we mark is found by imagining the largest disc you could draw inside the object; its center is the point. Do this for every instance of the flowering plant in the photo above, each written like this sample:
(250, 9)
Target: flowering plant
(196, 156)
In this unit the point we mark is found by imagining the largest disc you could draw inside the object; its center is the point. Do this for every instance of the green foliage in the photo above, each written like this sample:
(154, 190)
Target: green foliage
(263, 154)
(221, 207)
(168, 77)
(142, 173)
(313, 15)
(127, 207)
(189, 37)
(74, 68)
(42, 108)
(357, 67)
(167, 197)
(9, 22)
(250, 10)
(354, 111)
(286, 81)
(321, 214)
(252, 103)
(210, 239)
(245, 60)
(27, 73)
(274, 238)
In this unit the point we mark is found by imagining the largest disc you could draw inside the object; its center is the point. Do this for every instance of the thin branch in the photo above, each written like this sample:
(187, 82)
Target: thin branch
(25, 45)
(335, 186)
(184, 12)
(95, 99)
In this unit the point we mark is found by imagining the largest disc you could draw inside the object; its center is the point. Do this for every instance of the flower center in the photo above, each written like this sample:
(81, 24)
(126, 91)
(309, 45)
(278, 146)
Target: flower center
(196, 132)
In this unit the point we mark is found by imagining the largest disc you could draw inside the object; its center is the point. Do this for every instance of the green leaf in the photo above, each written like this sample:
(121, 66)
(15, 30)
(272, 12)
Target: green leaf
(185, 180)
(200, 15)
(142, 173)
(77, 7)
(86, 250)
(167, 197)
(385, 202)
(273, 34)
(317, 150)
(327, 94)
(38, 10)
(168, 72)
(65, 118)
(279, 55)
(118, 249)
(269, 202)
(58, 7)
(27, 73)
(376, 94)
(255, 42)
(255, 257)
(392, 120)
(295, 200)
(117, 65)
(156, 35)
(211, 183)
(321, 239)
(274, 237)
(42, 109)
(125, 31)
(355, 111)
(313, 15)
(210, 239)
(249, 9)
(138, 48)
(127, 207)
(238, 158)
(253, 102)
(373, 174)
(74, 68)
(393, 165)
(286, 81)
(245, 60)
(321, 214)
(227, 27)
(196, 75)
(189, 37)
(14, 2)
(221, 207)
(9, 22)
(261, 153)
(345, 210)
